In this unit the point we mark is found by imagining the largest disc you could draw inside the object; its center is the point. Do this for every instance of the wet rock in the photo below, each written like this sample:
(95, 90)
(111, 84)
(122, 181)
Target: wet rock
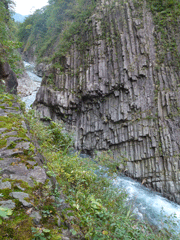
(26, 85)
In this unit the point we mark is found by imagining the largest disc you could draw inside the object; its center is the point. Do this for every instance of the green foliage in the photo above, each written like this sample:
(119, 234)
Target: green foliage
(8, 46)
(166, 18)
(56, 137)
(106, 158)
(4, 212)
(40, 234)
(59, 21)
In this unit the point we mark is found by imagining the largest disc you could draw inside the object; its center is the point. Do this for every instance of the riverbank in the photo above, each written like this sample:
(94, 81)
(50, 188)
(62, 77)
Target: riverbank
(28, 82)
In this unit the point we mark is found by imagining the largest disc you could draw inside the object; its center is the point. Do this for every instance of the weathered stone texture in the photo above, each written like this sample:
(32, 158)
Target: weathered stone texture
(117, 97)
(9, 77)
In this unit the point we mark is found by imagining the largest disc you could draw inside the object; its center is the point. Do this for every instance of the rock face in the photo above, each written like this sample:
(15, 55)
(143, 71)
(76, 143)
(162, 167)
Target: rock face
(116, 96)
(10, 78)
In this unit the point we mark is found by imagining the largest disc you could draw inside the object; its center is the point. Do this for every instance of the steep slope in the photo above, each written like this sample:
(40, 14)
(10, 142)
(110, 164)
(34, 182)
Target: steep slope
(118, 87)
(9, 58)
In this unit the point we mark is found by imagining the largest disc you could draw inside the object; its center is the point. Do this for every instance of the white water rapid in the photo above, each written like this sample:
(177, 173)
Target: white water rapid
(37, 80)
(149, 205)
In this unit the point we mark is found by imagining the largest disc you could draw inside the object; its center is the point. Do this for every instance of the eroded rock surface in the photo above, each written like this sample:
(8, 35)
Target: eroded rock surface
(116, 96)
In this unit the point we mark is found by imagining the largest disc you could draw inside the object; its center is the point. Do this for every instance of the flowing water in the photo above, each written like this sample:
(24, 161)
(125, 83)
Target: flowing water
(31, 72)
(145, 203)
(149, 205)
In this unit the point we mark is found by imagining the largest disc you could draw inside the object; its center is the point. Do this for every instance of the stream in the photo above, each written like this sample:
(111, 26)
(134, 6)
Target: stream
(146, 204)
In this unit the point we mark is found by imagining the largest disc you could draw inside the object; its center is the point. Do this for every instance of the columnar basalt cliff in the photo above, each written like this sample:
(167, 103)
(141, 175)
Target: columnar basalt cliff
(117, 96)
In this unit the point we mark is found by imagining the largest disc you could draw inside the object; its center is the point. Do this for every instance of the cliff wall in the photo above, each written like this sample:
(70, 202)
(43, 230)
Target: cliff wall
(113, 90)
(10, 80)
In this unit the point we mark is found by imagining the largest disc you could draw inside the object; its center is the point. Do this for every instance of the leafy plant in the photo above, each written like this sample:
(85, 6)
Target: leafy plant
(41, 234)
(4, 212)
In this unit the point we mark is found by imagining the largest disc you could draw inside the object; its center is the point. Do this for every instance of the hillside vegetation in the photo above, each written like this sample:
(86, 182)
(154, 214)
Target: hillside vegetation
(52, 29)
(8, 40)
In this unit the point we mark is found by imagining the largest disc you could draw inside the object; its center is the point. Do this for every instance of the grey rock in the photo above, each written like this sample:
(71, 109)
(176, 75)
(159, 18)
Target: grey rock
(32, 163)
(2, 130)
(58, 221)
(38, 174)
(26, 204)
(19, 171)
(12, 140)
(9, 153)
(20, 196)
(23, 145)
(3, 113)
(7, 204)
(36, 217)
(9, 134)
(4, 185)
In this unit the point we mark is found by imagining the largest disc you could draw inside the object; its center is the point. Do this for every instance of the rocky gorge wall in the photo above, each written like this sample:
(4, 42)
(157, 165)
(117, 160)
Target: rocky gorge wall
(115, 95)
(9, 78)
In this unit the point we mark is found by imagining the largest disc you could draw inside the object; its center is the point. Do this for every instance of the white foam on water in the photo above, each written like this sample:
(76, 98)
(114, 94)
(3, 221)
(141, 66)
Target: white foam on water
(30, 71)
(148, 204)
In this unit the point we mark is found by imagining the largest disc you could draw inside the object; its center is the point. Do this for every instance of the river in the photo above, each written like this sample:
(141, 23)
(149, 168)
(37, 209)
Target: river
(146, 204)
(31, 73)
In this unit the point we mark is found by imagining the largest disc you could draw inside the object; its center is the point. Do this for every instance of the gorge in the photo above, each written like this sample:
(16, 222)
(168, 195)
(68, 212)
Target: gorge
(114, 89)
(107, 92)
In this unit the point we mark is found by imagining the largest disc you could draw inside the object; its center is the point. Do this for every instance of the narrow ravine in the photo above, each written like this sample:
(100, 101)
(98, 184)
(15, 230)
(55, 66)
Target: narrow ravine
(147, 205)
